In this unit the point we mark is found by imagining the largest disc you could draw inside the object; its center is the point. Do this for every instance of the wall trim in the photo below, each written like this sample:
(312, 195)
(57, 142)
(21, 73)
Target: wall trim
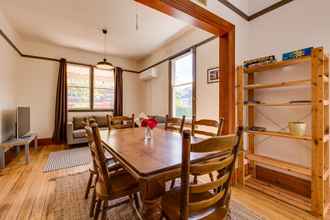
(11, 43)
(257, 14)
(179, 53)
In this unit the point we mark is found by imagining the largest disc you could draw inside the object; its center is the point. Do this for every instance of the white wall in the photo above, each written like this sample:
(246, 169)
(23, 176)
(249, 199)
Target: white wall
(207, 95)
(296, 25)
(8, 62)
(37, 81)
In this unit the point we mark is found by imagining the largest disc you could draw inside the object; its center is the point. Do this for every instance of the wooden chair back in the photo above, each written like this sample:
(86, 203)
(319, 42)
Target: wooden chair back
(90, 140)
(99, 158)
(174, 124)
(206, 123)
(119, 122)
(224, 166)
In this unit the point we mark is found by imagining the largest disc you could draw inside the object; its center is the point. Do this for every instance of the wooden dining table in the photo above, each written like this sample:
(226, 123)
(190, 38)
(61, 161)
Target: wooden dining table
(151, 162)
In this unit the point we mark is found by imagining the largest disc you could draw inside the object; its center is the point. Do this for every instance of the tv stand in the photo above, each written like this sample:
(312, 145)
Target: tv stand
(17, 142)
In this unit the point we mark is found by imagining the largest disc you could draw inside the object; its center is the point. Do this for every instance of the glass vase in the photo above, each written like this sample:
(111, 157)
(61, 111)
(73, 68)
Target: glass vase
(147, 133)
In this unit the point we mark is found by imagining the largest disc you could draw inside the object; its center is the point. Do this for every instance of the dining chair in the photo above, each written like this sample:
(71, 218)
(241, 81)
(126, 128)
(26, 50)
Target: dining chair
(204, 200)
(111, 164)
(120, 122)
(109, 186)
(174, 124)
(207, 125)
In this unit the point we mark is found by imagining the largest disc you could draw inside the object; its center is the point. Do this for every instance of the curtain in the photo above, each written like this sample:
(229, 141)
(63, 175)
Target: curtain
(59, 135)
(118, 104)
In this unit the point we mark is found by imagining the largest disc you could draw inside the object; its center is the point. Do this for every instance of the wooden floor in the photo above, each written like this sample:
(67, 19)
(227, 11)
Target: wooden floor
(27, 193)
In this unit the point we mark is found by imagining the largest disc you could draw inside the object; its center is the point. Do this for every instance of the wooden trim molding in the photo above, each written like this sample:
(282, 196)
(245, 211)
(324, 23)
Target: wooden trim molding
(257, 14)
(11, 43)
(84, 64)
(206, 20)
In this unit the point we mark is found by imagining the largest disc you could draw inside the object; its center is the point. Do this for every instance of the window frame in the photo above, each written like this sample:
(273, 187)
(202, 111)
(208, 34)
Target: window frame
(91, 92)
(191, 51)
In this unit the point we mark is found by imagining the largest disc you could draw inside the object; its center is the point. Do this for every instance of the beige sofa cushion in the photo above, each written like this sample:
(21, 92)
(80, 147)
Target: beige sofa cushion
(79, 122)
(80, 133)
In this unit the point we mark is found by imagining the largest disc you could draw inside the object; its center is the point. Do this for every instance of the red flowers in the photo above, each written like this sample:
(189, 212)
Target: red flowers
(150, 123)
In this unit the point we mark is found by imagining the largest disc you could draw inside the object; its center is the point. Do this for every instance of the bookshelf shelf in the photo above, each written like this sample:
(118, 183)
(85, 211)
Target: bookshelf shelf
(276, 65)
(280, 134)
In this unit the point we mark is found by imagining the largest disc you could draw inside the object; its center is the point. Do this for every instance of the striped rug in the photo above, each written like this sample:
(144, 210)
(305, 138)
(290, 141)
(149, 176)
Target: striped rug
(67, 158)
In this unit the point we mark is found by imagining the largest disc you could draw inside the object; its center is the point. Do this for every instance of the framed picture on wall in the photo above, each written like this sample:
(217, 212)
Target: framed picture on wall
(213, 75)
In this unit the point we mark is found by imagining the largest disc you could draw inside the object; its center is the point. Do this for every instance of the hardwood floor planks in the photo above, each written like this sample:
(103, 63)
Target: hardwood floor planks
(28, 193)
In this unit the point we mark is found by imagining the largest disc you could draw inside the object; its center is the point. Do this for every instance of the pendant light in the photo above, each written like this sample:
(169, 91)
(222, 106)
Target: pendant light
(104, 64)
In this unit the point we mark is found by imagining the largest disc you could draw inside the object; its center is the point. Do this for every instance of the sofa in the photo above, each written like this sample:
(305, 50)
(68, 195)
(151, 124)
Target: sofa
(76, 133)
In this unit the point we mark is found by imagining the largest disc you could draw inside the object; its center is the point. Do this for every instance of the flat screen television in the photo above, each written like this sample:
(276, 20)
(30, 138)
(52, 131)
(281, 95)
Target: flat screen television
(22, 121)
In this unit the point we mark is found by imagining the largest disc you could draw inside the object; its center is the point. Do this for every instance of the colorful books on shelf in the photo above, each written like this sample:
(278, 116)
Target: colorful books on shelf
(259, 61)
(297, 53)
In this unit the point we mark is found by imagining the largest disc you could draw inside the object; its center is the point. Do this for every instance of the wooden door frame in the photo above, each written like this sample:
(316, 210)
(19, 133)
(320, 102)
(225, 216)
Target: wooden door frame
(202, 18)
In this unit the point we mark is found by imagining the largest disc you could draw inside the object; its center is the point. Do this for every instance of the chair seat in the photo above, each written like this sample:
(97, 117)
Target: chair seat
(171, 206)
(121, 184)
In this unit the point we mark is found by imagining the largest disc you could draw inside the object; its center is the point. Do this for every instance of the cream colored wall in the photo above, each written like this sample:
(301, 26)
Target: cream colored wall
(298, 24)
(38, 80)
(207, 95)
(8, 67)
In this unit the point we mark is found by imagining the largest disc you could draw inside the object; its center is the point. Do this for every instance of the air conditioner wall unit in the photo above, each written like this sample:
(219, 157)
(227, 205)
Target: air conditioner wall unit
(148, 74)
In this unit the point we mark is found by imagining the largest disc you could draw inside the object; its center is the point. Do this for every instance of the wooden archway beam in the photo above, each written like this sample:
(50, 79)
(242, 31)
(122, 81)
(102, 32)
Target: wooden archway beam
(201, 18)
(191, 13)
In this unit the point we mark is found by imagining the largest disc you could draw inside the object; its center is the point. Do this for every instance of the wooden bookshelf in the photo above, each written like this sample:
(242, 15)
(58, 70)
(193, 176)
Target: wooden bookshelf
(280, 134)
(278, 85)
(279, 104)
(276, 65)
(283, 195)
(318, 172)
(294, 168)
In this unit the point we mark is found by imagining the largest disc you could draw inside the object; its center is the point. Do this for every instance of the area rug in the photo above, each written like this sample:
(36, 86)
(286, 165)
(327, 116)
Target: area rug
(67, 158)
(70, 203)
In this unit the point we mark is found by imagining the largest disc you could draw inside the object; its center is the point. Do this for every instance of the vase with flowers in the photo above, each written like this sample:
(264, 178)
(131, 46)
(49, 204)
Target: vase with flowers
(149, 124)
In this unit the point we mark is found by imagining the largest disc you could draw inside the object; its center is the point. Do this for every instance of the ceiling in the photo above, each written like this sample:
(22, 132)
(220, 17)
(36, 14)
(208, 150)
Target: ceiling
(78, 24)
(250, 7)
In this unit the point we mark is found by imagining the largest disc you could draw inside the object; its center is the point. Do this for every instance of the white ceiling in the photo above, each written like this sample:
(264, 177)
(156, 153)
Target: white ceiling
(250, 7)
(78, 24)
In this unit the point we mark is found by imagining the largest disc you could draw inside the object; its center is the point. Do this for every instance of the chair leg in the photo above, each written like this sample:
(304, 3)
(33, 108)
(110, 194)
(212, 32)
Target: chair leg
(104, 210)
(136, 200)
(195, 180)
(89, 184)
(172, 184)
(92, 207)
(97, 209)
(211, 177)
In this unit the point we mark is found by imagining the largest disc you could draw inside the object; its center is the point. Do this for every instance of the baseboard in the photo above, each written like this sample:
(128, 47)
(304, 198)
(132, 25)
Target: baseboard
(285, 181)
(45, 141)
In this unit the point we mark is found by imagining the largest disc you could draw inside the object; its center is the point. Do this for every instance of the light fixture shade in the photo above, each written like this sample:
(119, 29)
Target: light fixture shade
(105, 65)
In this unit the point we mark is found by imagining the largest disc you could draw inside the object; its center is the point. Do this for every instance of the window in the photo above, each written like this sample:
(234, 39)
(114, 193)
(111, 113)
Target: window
(79, 84)
(104, 89)
(83, 95)
(182, 86)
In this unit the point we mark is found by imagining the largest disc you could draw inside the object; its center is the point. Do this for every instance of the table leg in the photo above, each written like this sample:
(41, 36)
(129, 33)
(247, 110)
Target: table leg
(152, 192)
(2, 158)
(18, 149)
(27, 153)
(36, 143)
